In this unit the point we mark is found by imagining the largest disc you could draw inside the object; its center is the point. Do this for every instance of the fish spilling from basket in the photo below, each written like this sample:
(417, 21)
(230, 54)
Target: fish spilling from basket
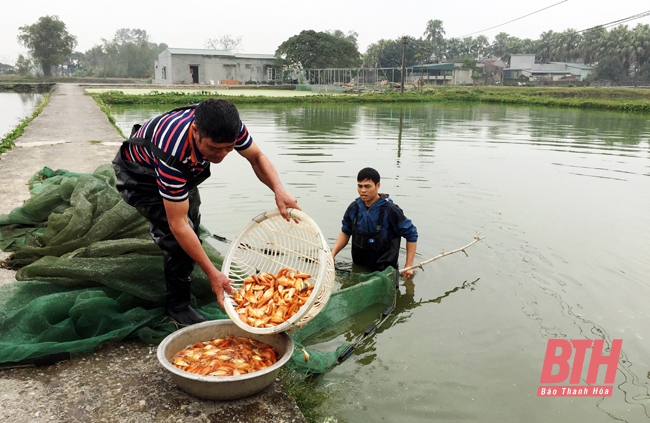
(266, 300)
(230, 356)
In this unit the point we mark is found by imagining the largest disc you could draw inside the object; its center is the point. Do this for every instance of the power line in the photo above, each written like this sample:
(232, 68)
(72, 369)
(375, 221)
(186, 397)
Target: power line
(521, 17)
(620, 21)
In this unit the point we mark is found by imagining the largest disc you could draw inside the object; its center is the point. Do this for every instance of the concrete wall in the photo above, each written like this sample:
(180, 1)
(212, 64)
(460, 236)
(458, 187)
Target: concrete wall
(163, 68)
(548, 77)
(461, 77)
(255, 70)
(522, 61)
(548, 67)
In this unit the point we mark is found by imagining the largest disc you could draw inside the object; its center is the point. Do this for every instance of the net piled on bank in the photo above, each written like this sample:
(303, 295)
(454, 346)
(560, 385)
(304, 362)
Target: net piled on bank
(88, 272)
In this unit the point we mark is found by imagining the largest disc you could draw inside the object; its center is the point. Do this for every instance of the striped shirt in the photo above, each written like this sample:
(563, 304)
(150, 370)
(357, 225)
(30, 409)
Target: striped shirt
(172, 135)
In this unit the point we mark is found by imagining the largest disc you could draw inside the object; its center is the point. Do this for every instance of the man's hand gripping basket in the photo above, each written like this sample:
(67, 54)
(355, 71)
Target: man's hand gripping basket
(269, 244)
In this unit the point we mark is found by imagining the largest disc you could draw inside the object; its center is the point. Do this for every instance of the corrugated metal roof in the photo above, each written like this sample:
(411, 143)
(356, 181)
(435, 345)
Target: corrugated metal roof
(226, 53)
(540, 71)
(255, 56)
(433, 66)
(575, 65)
(200, 52)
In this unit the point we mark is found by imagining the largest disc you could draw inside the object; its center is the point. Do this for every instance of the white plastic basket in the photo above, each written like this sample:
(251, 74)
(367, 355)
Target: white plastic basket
(270, 243)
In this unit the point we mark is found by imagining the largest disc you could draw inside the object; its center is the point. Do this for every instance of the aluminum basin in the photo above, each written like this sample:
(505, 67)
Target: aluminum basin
(221, 387)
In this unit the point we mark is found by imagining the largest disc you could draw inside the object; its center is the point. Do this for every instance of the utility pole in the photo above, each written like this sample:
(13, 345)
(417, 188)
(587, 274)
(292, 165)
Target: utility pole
(405, 41)
(421, 73)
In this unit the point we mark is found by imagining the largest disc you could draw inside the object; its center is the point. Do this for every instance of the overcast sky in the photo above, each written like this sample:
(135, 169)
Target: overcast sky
(264, 25)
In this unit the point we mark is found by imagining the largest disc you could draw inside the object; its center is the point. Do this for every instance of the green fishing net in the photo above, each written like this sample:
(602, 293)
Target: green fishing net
(88, 272)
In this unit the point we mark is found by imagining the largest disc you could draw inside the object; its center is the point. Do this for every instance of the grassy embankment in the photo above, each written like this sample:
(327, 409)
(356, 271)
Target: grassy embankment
(618, 99)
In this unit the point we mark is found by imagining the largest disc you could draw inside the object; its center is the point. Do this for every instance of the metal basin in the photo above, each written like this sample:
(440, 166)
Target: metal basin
(221, 387)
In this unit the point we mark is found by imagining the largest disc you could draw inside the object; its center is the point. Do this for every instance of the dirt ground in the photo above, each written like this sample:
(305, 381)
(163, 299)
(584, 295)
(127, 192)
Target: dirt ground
(118, 381)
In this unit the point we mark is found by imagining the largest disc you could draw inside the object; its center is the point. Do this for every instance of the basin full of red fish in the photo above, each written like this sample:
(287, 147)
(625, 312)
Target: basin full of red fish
(229, 356)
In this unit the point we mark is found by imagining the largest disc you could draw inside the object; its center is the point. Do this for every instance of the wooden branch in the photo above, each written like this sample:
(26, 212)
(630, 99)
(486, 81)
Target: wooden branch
(477, 238)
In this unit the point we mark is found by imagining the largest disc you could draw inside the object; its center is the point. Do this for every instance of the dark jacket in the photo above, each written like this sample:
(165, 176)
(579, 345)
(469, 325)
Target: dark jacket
(376, 244)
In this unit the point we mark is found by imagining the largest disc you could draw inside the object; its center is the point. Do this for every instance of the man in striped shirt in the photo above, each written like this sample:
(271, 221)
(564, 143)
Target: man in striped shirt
(158, 170)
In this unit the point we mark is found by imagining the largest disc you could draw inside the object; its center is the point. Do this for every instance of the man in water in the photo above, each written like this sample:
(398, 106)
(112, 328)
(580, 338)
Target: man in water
(377, 226)
(158, 170)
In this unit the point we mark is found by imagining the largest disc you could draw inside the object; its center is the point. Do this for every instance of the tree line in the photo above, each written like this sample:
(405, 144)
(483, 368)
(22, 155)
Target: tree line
(620, 53)
(128, 54)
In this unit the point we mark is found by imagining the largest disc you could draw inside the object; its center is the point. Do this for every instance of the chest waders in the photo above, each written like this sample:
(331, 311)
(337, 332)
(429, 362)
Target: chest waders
(372, 249)
(139, 187)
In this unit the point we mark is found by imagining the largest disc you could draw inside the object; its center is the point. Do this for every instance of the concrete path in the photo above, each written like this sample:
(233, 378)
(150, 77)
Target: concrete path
(118, 381)
(71, 133)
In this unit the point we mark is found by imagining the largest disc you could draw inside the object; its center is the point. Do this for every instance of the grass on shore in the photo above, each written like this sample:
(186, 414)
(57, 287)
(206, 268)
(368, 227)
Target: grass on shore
(106, 108)
(619, 99)
(8, 141)
(304, 390)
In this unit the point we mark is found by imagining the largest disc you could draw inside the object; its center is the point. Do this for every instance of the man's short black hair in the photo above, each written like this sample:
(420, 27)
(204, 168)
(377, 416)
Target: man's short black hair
(217, 119)
(368, 173)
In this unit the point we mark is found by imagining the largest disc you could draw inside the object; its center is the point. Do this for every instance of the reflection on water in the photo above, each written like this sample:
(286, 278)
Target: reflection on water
(336, 120)
(14, 107)
(562, 199)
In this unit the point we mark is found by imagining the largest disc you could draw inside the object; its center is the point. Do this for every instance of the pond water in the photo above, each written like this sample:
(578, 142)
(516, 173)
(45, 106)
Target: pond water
(14, 107)
(561, 197)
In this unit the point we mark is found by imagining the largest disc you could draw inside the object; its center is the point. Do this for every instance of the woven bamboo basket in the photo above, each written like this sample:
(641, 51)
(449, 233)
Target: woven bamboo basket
(271, 243)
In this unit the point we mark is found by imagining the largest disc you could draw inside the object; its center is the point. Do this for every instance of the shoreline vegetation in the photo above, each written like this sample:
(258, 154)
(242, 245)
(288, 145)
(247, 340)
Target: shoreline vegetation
(616, 99)
(8, 140)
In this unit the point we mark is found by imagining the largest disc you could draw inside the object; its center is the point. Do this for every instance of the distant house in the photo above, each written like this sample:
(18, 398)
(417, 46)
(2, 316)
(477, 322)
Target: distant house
(213, 67)
(439, 74)
(490, 70)
(491, 61)
(6, 68)
(523, 65)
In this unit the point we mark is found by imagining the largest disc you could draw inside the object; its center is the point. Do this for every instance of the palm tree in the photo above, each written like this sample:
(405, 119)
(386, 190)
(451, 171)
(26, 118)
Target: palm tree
(453, 48)
(593, 44)
(467, 46)
(641, 45)
(500, 45)
(481, 44)
(545, 45)
(568, 45)
(435, 34)
(434, 31)
(619, 44)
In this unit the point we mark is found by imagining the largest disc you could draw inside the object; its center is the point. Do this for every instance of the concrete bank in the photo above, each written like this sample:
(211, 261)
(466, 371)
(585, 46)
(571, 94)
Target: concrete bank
(118, 381)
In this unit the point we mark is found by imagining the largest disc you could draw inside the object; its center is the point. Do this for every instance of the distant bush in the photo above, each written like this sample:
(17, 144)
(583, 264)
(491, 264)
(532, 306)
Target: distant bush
(633, 100)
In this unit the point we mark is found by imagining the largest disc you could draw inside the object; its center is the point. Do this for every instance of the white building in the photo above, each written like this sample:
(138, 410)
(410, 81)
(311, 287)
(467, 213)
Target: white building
(524, 65)
(213, 67)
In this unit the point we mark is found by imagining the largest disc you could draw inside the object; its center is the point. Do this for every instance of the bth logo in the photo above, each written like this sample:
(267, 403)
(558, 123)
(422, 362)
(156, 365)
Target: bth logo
(558, 354)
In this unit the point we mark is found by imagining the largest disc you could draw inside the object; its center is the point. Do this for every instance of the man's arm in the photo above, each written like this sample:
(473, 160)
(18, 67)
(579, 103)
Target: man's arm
(406, 229)
(341, 241)
(266, 173)
(410, 256)
(187, 239)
